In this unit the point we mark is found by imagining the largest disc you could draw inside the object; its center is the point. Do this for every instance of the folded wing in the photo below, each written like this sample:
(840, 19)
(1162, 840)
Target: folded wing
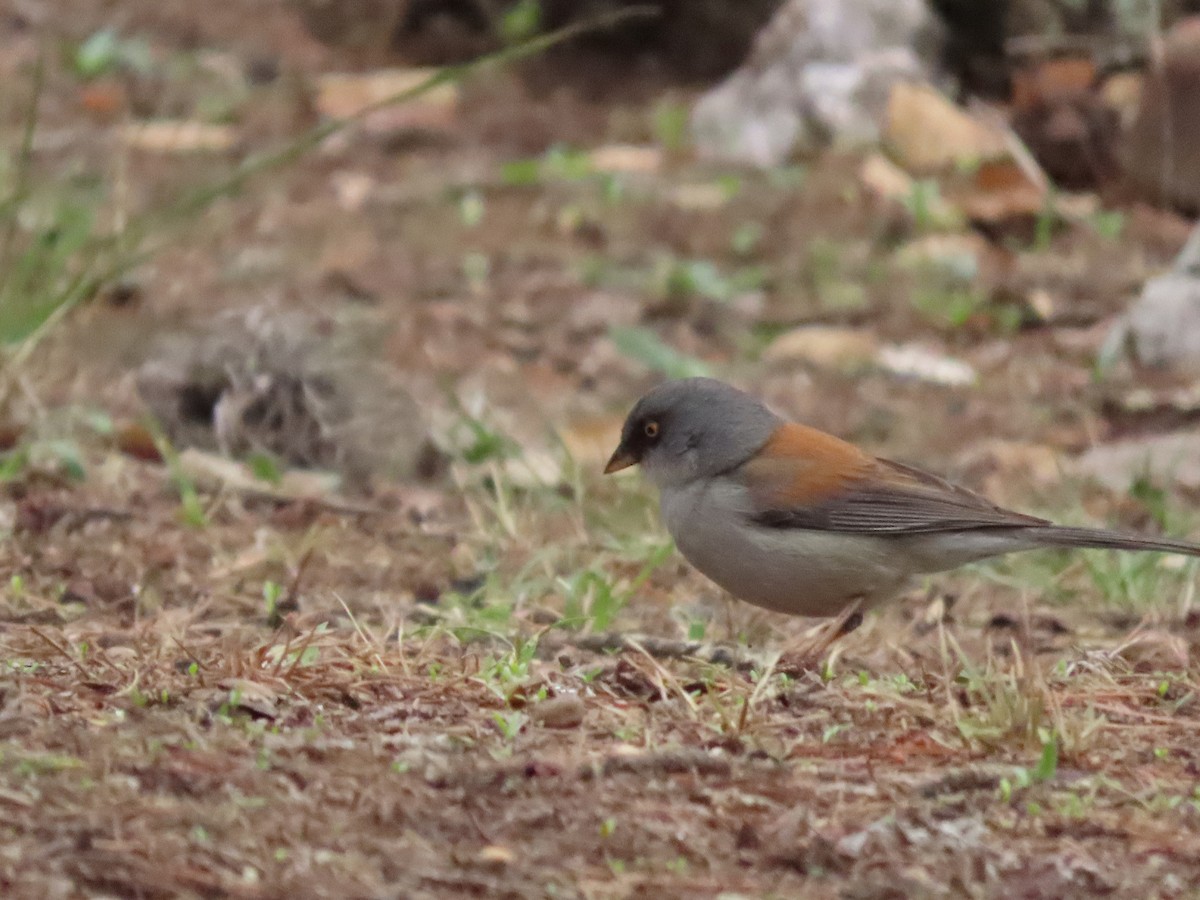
(883, 497)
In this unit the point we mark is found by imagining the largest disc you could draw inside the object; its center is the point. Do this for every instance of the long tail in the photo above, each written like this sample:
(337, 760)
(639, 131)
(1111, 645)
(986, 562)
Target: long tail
(1065, 536)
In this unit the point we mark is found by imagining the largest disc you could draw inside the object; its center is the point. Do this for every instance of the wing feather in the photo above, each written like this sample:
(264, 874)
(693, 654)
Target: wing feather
(895, 499)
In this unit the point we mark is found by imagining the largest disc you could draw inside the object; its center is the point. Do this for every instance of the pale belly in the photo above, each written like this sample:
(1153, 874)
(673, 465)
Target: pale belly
(803, 572)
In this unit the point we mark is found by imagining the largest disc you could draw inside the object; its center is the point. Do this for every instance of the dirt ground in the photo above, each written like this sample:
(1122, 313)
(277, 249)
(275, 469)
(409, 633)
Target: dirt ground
(497, 678)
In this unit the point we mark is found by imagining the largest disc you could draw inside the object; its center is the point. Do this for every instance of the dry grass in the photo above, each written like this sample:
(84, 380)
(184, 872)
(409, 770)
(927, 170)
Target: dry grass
(175, 743)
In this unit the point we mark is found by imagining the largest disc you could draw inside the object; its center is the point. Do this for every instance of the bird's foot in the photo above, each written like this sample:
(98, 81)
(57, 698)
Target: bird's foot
(810, 654)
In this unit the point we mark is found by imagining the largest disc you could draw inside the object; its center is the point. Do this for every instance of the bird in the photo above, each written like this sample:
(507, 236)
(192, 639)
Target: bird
(792, 519)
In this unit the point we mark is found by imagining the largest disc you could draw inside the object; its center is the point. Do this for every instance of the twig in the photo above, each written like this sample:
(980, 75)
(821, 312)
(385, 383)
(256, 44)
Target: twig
(190, 655)
(312, 634)
(362, 634)
(664, 676)
(293, 591)
(661, 648)
(61, 649)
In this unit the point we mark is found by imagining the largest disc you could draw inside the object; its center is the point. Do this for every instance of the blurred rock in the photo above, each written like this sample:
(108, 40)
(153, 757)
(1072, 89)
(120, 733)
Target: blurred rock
(1164, 459)
(820, 74)
(1162, 150)
(1162, 329)
(309, 392)
(923, 364)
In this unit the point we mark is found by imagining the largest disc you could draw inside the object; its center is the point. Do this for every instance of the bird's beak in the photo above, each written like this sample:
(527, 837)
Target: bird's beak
(621, 459)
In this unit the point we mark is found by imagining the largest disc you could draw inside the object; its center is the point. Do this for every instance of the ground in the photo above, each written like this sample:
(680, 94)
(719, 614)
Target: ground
(497, 678)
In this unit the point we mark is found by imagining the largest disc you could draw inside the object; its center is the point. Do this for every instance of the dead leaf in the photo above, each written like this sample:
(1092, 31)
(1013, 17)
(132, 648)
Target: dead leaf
(352, 189)
(210, 472)
(591, 441)
(178, 136)
(133, 439)
(826, 347)
(1001, 190)
(927, 133)
(252, 697)
(345, 95)
(348, 250)
(1154, 650)
(103, 100)
(1122, 92)
(626, 159)
(699, 197)
(884, 179)
(495, 855)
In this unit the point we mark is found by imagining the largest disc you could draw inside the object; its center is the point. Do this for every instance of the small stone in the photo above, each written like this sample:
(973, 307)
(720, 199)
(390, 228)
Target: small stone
(565, 711)
(915, 361)
(1165, 458)
(1162, 329)
(495, 855)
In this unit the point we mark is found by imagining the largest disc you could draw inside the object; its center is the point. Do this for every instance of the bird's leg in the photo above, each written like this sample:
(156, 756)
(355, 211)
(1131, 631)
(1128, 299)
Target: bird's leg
(808, 654)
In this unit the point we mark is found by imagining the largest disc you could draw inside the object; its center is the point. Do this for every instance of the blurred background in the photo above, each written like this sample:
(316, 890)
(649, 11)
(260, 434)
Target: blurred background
(908, 222)
(912, 223)
(319, 319)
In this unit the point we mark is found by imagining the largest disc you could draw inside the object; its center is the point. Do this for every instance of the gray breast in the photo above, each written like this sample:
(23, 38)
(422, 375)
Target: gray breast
(801, 572)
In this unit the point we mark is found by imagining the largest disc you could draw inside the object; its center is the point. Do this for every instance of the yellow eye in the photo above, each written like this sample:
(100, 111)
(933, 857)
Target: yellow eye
(651, 429)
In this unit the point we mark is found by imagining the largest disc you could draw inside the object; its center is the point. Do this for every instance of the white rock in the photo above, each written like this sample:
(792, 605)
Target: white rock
(1171, 458)
(1162, 328)
(915, 361)
(820, 74)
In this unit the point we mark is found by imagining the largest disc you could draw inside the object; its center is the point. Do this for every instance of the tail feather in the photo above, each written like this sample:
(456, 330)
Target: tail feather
(1065, 536)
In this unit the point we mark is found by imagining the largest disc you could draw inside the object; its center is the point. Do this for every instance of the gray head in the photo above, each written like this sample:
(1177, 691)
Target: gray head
(696, 427)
